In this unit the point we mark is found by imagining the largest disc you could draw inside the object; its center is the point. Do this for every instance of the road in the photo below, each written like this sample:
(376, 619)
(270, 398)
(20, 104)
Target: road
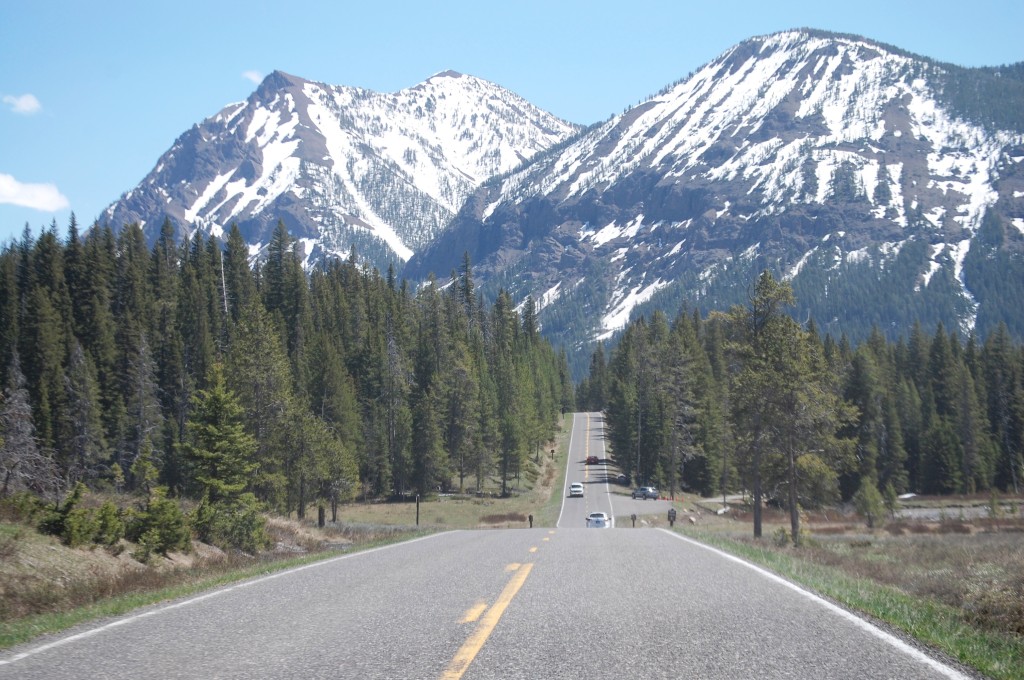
(568, 602)
(599, 481)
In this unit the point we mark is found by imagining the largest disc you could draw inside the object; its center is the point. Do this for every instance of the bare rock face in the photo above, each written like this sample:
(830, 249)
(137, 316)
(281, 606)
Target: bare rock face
(340, 166)
(871, 179)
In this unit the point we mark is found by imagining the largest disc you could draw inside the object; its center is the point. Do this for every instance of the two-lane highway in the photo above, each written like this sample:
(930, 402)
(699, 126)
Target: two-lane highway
(586, 440)
(520, 603)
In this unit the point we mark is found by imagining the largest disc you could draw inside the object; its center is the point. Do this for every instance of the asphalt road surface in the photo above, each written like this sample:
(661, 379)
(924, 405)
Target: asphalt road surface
(569, 602)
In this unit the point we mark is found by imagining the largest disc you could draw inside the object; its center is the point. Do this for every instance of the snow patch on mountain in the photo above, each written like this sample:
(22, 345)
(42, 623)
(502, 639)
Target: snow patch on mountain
(341, 165)
(800, 149)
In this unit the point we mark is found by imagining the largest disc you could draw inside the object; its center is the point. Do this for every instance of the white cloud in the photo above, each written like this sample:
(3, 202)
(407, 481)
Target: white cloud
(26, 104)
(45, 197)
(254, 76)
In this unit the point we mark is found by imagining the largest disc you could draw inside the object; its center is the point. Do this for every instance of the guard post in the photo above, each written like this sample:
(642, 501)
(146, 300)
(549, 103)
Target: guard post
(633, 517)
(531, 521)
(671, 517)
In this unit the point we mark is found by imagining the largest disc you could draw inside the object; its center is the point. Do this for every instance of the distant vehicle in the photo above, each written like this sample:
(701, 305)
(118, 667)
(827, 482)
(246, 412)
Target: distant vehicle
(591, 460)
(623, 480)
(575, 489)
(598, 520)
(645, 492)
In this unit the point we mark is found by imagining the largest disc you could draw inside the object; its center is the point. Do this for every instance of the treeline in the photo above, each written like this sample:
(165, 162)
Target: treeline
(181, 367)
(752, 400)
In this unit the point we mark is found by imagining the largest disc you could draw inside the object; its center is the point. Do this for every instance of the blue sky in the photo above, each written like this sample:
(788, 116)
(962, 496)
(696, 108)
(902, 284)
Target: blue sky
(92, 93)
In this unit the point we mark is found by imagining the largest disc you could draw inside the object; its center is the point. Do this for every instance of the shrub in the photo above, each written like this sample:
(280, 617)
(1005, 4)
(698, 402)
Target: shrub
(146, 545)
(80, 527)
(74, 525)
(159, 527)
(869, 503)
(781, 537)
(23, 506)
(236, 523)
(109, 525)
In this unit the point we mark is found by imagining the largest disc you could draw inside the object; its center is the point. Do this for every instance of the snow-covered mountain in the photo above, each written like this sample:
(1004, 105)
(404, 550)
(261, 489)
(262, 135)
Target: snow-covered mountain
(881, 184)
(341, 166)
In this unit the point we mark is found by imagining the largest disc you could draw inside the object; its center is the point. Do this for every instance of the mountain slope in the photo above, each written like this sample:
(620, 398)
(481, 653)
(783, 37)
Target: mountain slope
(341, 166)
(842, 164)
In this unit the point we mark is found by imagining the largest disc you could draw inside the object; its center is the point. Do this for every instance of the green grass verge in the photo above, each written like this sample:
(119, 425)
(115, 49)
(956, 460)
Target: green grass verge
(25, 629)
(547, 516)
(939, 626)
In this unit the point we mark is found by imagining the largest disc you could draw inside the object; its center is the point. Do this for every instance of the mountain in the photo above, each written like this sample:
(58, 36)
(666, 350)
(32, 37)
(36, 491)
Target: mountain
(340, 166)
(886, 187)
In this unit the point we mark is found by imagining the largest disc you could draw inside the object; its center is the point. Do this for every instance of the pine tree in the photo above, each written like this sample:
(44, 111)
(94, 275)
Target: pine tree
(87, 447)
(237, 283)
(1005, 408)
(258, 373)
(785, 401)
(942, 473)
(217, 447)
(24, 465)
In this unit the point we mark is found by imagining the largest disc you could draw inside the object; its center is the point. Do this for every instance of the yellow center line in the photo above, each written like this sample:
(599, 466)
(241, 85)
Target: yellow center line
(533, 549)
(476, 641)
(474, 612)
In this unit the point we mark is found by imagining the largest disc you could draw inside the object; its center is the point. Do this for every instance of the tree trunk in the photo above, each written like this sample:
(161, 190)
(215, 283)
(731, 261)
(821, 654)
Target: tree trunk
(757, 476)
(794, 511)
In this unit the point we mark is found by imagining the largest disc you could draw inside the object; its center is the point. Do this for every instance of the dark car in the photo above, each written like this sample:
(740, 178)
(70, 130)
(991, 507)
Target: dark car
(645, 492)
(591, 460)
(623, 480)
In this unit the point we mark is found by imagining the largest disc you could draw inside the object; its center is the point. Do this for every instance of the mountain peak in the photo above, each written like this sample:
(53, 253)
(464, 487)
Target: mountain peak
(446, 74)
(342, 166)
(279, 80)
(814, 153)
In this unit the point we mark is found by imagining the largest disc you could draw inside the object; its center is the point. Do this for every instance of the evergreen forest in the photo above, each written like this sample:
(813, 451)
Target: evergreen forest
(751, 400)
(184, 372)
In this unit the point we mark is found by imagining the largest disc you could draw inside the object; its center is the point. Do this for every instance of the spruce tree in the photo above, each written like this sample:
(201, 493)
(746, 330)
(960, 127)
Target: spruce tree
(216, 446)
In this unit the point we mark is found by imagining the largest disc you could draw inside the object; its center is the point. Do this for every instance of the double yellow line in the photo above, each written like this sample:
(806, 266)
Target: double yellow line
(488, 621)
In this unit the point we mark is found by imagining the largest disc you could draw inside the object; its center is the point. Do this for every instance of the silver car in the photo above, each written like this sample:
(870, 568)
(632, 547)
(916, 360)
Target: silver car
(598, 520)
(646, 492)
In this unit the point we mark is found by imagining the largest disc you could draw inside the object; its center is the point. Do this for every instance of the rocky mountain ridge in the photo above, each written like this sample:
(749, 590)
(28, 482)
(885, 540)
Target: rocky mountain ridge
(886, 187)
(340, 166)
(834, 160)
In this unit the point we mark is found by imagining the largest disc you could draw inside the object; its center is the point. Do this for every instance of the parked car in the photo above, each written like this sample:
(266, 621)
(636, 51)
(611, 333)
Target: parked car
(623, 480)
(575, 489)
(645, 492)
(591, 460)
(598, 520)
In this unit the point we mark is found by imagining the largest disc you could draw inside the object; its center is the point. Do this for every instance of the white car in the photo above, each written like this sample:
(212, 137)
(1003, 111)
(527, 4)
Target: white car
(598, 520)
(575, 489)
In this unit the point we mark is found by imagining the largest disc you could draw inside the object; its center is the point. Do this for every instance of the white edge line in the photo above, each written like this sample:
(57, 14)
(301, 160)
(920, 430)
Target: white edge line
(607, 484)
(568, 461)
(199, 598)
(853, 618)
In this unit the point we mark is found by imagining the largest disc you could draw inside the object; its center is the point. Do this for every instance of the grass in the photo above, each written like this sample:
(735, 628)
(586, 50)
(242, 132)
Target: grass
(105, 594)
(920, 585)
(46, 587)
(538, 492)
(955, 585)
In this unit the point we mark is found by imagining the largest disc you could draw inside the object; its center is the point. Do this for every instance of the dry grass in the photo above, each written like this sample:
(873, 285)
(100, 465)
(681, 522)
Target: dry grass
(537, 492)
(39, 576)
(981, 574)
(974, 565)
